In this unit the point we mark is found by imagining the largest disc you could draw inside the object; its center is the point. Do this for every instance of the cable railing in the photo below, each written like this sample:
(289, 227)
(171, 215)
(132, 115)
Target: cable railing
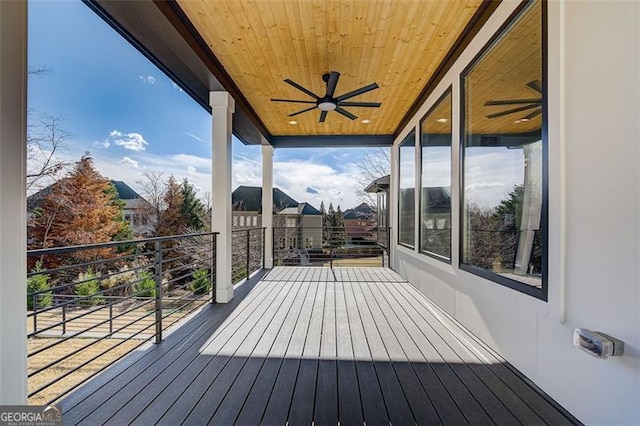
(247, 252)
(328, 247)
(87, 306)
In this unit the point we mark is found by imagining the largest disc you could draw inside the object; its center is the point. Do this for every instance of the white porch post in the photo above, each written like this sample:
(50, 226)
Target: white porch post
(222, 108)
(267, 203)
(13, 202)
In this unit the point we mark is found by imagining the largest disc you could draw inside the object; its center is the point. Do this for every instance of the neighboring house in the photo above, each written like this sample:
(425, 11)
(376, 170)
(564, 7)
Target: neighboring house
(380, 187)
(360, 224)
(297, 225)
(140, 213)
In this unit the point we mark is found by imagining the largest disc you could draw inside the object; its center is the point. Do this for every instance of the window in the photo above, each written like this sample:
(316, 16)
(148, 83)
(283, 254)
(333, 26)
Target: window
(254, 221)
(435, 196)
(291, 222)
(504, 213)
(406, 207)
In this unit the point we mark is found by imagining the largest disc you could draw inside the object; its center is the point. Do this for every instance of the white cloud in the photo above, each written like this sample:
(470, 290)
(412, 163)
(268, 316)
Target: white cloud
(191, 170)
(106, 144)
(332, 186)
(149, 79)
(131, 141)
(129, 161)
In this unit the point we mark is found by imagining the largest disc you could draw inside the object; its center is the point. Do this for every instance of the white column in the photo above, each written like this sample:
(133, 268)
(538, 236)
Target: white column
(267, 203)
(13, 203)
(222, 108)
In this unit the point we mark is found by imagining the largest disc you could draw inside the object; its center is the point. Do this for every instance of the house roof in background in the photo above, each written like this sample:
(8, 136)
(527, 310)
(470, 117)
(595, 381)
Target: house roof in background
(125, 192)
(362, 211)
(379, 185)
(249, 198)
(308, 209)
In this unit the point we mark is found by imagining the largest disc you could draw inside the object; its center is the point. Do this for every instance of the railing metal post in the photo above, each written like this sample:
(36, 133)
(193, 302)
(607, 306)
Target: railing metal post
(248, 252)
(273, 245)
(110, 318)
(331, 248)
(264, 234)
(213, 268)
(64, 318)
(35, 312)
(158, 278)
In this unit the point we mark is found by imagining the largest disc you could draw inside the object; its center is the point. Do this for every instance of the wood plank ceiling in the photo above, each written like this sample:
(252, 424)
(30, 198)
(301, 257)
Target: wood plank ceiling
(396, 43)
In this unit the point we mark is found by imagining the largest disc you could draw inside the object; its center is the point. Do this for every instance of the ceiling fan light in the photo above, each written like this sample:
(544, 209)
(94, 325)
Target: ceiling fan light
(326, 106)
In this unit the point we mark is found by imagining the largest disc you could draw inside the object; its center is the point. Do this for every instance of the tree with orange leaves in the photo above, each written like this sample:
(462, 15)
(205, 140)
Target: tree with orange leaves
(82, 208)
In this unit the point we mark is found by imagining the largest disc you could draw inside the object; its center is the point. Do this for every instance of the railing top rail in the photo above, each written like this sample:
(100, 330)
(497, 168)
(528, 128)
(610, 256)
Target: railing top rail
(67, 249)
(248, 229)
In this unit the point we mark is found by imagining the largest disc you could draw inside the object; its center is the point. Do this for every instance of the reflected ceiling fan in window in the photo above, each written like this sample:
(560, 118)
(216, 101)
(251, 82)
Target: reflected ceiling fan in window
(329, 102)
(527, 104)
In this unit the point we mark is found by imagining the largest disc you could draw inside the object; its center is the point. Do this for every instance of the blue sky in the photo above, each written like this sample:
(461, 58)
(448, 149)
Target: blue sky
(132, 118)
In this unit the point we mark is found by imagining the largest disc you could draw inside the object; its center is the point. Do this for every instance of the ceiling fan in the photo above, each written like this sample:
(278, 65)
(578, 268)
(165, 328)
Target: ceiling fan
(527, 104)
(329, 102)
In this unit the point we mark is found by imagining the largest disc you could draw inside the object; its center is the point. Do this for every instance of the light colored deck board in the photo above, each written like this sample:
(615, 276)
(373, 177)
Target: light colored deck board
(307, 346)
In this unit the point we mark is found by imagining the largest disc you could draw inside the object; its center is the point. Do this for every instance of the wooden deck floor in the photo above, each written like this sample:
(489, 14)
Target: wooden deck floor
(303, 345)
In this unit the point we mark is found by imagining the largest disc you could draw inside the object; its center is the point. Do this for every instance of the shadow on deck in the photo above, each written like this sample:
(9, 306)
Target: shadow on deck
(304, 345)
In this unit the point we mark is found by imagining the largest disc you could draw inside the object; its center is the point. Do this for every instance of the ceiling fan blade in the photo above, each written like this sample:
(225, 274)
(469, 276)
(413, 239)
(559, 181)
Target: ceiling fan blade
(300, 112)
(533, 114)
(345, 113)
(293, 101)
(511, 111)
(332, 83)
(357, 92)
(536, 85)
(513, 102)
(361, 104)
(300, 88)
(323, 116)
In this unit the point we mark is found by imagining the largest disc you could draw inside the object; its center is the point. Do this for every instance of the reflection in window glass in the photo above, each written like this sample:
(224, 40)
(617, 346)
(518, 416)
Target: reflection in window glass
(503, 156)
(435, 198)
(407, 205)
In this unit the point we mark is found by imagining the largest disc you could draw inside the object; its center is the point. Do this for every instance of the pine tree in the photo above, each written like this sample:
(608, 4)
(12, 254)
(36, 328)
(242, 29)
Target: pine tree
(170, 221)
(193, 211)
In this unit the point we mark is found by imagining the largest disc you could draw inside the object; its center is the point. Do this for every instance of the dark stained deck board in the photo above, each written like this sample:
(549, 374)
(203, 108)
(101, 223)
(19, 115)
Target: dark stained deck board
(283, 323)
(305, 345)
(476, 354)
(91, 396)
(168, 395)
(258, 396)
(218, 353)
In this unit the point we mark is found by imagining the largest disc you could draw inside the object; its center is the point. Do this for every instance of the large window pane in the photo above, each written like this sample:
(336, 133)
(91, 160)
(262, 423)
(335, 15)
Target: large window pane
(435, 198)
(407, 205)
(504, 158)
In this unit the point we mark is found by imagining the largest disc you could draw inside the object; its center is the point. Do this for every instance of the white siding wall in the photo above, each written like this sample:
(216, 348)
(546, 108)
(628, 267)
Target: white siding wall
(594, 212)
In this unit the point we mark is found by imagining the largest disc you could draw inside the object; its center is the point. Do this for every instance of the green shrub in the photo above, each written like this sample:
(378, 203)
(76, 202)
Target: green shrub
(239, 273)
(201, 283)
(35, 283)
(145, 285)
(88, 287)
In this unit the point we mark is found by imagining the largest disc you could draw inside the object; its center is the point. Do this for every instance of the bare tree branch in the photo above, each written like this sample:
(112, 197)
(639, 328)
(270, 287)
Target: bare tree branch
(374, 164)
(153, 189)
(45, 140)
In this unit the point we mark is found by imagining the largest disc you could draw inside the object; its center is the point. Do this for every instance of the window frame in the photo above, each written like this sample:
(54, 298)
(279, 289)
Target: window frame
(441, 98)
(543, 292)
(410, 136)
